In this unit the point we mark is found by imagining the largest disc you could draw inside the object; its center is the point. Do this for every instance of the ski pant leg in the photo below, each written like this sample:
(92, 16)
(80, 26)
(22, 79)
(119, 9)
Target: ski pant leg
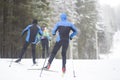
(64, 50)
(33, 52)
(43, 48)
(24, 49)
(47, 47)
(54, 51)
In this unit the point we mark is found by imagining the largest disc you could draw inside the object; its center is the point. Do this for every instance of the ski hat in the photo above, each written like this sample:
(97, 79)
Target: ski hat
(35, 21)
(63, 16)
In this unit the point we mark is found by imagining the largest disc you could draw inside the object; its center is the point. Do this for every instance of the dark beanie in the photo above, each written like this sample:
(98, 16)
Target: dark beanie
(35, 21)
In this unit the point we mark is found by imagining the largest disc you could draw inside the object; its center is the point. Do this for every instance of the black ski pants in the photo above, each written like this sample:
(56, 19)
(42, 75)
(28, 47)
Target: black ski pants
(64, 44)
(26, 44)
(45, 47)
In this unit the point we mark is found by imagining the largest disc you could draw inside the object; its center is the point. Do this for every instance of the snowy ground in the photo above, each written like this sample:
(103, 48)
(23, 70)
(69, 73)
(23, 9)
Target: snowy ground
(84, 70)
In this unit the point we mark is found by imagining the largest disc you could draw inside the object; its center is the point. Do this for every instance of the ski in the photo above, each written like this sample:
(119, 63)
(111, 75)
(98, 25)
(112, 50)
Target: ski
(19, 63)
(35, 65)
(63, 74)
(43, 69)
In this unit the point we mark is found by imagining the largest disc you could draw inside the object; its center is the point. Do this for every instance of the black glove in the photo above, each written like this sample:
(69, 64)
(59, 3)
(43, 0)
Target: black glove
(54, 34)
(70, 38)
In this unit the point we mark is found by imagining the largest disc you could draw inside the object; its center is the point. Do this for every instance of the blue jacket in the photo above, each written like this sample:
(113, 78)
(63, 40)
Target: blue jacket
(64, 27)
(32, 31)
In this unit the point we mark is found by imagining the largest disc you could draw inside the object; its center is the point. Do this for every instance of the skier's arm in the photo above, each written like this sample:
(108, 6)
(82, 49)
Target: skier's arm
(55, 29)
(74, 29)
(25, 30)
(40, 31)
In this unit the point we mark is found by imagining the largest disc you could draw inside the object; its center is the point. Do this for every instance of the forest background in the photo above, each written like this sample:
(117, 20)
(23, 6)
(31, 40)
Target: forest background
(96, 25)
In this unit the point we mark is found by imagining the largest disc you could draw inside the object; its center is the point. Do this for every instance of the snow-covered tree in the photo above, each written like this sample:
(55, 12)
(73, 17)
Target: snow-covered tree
(87, 24)
(40, 10)
(107, 25)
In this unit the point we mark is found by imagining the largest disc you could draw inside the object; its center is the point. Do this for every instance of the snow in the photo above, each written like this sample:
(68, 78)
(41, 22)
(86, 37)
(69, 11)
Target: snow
(84, 70)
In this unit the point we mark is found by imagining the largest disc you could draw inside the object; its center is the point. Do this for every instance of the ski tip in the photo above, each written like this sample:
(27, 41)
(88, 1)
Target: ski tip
(74, 76)
(63, 74)
(35, 65)
(40, 75)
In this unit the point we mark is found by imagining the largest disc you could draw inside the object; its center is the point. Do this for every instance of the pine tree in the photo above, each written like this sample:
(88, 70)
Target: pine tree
(87, 24)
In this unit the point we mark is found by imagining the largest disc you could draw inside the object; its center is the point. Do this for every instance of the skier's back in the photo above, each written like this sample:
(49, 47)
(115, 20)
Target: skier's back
(32, 31)
(63, 27)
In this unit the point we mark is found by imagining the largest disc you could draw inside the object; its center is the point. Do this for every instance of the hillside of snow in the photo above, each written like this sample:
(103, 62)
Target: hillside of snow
(84, 70)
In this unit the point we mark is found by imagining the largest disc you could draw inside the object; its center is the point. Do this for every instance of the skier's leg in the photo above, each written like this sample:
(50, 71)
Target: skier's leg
(47, 48)
(54, 51)
(34, 52)
(64, 50)
(23, 51)
(43, 48)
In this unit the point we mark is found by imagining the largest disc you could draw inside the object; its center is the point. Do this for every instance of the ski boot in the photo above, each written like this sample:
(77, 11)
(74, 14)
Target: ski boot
(47, 66)
(18, 60)
(63, 69)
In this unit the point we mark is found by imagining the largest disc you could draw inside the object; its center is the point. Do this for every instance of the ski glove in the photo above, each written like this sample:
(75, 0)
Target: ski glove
(70, 38)
(54, 34)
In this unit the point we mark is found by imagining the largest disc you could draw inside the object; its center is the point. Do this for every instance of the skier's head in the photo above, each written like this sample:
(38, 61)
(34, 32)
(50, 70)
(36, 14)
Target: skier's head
(43, 27)
(63, 16)
(35, 21)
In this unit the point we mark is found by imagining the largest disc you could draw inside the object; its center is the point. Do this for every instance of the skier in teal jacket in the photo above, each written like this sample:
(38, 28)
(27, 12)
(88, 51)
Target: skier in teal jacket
(45, 42)
(63, 28)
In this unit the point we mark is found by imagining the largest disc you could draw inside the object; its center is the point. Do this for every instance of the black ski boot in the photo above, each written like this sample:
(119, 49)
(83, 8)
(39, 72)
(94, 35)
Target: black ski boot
(17, 61)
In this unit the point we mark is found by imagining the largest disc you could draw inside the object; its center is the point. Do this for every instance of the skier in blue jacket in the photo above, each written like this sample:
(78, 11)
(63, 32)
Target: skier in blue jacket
(32, 31)
(63, 28)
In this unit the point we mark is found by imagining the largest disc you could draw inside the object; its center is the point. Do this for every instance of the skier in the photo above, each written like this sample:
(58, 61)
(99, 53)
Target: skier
(63, 27)
(45, 41)
(32, 31)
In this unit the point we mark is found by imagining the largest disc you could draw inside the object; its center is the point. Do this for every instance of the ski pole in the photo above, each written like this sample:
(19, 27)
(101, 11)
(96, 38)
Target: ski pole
(38, 47)
(73, 69)
(44, 63)
(12, 59)
(11, 62)
(43, 66)
(15, 51)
